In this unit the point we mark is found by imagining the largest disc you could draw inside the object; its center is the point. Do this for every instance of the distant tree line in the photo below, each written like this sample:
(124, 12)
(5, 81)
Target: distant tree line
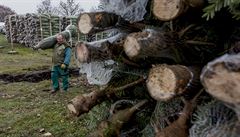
(68, 8)
(4, 11)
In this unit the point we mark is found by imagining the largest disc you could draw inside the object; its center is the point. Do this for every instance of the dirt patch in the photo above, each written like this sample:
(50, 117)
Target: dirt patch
(34, 77)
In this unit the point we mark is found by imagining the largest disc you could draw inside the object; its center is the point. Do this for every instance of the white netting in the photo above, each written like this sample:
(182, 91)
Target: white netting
(131, 10)
(214, 120)
(227, 59)
(110, 39)
(98, 73)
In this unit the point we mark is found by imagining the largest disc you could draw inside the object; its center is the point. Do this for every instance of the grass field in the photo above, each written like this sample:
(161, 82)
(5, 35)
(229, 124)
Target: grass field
(26, 108)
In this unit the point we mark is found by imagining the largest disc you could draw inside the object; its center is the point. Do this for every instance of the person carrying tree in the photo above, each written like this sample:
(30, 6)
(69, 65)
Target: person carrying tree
(61, 60)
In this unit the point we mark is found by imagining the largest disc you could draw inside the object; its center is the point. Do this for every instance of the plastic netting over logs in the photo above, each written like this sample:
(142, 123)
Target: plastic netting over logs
(131, 10)
(99, 72)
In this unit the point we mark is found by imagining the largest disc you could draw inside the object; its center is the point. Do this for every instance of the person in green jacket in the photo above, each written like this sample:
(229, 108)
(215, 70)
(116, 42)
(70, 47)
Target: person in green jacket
(61, 60)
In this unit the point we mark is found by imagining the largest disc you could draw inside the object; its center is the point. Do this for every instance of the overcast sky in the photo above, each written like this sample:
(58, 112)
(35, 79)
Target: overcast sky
(29, 6)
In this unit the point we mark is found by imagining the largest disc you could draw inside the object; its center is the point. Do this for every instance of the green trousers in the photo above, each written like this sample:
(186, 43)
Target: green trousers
(57, 73)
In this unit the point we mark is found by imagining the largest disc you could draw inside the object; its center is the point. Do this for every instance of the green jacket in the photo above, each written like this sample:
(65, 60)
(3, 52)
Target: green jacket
(61, 54)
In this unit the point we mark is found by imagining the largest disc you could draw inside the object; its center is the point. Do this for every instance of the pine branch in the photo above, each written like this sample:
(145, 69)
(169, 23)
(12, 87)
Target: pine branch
(216, 5)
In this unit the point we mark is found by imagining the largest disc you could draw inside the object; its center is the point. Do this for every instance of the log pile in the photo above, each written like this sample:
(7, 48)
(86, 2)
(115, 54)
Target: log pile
(168, 55)
(31, 28)
(22, 32)
(156, 60)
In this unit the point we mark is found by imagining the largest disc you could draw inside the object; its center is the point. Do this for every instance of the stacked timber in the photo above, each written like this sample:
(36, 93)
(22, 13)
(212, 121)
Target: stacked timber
(21, 29)
(29, 29)
(160, 56)
(32, 30)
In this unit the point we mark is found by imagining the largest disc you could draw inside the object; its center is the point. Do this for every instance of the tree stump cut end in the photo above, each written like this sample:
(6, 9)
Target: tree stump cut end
(166, 10)
(85, 24)
(165, 81)
(81, 52)
(222, 82)
(161, 83)
(131, 47)
(134, 43)
(72, 109)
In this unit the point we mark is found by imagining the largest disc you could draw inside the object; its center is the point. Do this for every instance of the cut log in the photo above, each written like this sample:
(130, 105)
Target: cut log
(151, 44)
(86, 52)
(95, 22)
(167, 10)
(155, 47)
(167, 81)
(113, 126)
(84, 103)
(221, 79)
(100, 50)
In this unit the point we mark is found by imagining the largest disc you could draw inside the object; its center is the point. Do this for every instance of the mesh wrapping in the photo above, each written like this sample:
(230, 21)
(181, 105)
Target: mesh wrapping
(131, 10)
(214, 120)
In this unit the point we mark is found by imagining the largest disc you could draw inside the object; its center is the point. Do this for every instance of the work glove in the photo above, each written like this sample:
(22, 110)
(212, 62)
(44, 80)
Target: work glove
(63, 66)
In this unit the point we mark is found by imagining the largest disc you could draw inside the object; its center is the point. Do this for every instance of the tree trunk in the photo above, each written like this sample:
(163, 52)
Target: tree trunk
(100, 50)
(167, 10)
(96, 22)
(221, 79)
(84, 103)
(151, 44)
(167, 81)
(155, 46)
(113, 126)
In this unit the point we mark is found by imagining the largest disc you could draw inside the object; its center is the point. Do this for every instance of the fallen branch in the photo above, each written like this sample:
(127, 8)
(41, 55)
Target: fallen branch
(180, 128)
(113, 125)
(84, 103)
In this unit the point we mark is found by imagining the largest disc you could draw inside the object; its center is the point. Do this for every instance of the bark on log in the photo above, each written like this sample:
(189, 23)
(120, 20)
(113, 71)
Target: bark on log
(95, 22)
(84, 103)
(221, 79)
(167, 81)
(151, 44)
(156, 46)
(100, 50)
(113, 126)
(166, 10)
